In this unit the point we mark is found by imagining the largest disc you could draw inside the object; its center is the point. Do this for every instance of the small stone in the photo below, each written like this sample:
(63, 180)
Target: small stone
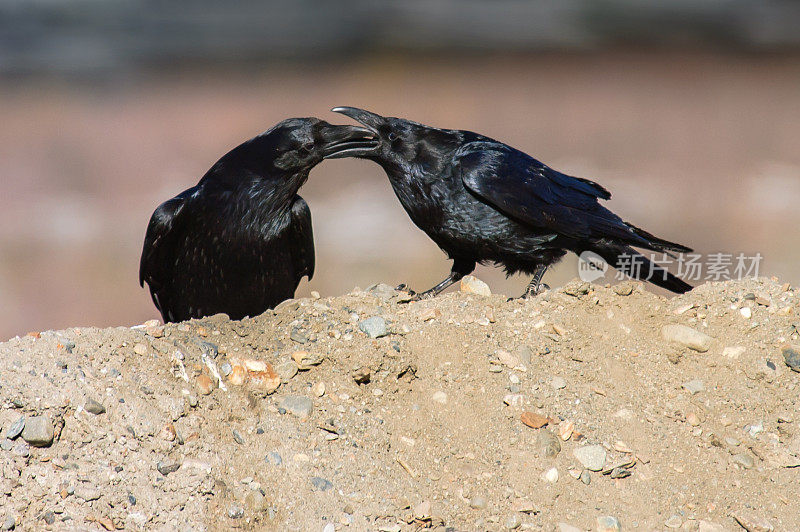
(733, 352)
(286, 370)
(49, 517)
(608, 523)
(592, 457)
(472, 285)
(256, 501)
(226, 369)
(577, 289)
(264, 381)
(87, 493)
(506, 358)
(321, 484)
(382, 291)
(298, 405)
(439, 397)
(168, 432)
(6, 444)
(534, 420)
(374, 327)
(513, 522)
(274, 458)
(204, 384)
(547, 443)
(564, 527)
(565, 429)
(93, 407)
(16, 428)
(585, 477)
(318, 389)
(298, 335)
(746, 312)
(362, 375)
(674, 521)
(692, 419)
(237, 437)
(693, 386)
(687, 337)
(140, 349)
(791, 355)
(708, 526)
(558, 383)
(422, 511)
(753, 523)
(514, 399)
(235, 511)
(9, 523)
(623, 289)
(305, 360)
(478, 502)
(743, 460)
(38, 431)
(429, 314)
(330, 527)
(523, 506)
(551, 475)
(21, 449)
(620, 472)
(165, 467)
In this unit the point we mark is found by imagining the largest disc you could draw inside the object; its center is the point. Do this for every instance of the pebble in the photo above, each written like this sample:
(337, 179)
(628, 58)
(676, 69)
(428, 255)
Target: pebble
(565, 429)
(226, 369)
(551, 475)
(791, 355)
(733, 351)
(321, 484)
(382, 291)
(235, 511)
(140, 349)
(746, 312)
(6, 444)
(38, 431)
(585, 477)
(472, 285)
(693, 386)
(674, 521)
(744, 460)
(513, 522)
(564, 527)
(753, 523)
(687, 336)
(709, 526)
(558, 383)
(330, 527)
(9, 523)
(548, 443)
(514, 399)
(362, 375)
(422, 511)
(318, 389)
(21, 449)
(87, 493)
(237, 437)
(286, 370)
(274, 458)
(16, 428)
(592, 457)
(298, 335)
(298, 405)
(165, 467)
(439, 397)
(374, 327)
(204, 384)
(607, 523)
(478, 502)
(305, 360)
(93, 407)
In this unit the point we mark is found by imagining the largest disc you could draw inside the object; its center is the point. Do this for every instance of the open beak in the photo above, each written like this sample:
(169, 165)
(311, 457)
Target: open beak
(371, 120)
(347, 141)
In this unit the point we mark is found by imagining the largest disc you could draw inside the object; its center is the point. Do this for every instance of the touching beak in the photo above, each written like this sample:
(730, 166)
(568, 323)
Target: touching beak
(347, 141)
(371, 120)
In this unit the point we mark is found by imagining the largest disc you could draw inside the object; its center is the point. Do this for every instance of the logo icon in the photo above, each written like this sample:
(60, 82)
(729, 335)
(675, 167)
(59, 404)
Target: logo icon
(591, 266)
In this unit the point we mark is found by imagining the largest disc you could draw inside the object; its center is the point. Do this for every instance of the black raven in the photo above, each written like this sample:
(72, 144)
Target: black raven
(483, 201)
(240, 241)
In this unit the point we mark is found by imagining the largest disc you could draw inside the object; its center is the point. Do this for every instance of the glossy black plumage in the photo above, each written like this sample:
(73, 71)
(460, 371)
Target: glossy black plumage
(240, 241)
(483, 201)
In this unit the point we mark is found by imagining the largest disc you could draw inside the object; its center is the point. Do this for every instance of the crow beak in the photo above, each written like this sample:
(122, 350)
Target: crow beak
(371, 120)
(347, 141)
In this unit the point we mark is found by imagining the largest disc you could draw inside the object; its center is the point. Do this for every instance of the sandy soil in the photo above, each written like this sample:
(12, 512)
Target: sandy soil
(144, 436)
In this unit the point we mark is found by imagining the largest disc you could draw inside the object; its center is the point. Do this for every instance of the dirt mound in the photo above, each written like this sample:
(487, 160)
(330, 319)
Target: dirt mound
(585, 407)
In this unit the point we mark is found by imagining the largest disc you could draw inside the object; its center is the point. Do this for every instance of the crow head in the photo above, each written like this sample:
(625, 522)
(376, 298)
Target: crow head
(298, 144)
(400, 143)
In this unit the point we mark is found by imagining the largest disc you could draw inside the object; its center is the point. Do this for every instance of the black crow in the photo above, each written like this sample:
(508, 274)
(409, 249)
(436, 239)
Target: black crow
(240, 241)
(483, 201)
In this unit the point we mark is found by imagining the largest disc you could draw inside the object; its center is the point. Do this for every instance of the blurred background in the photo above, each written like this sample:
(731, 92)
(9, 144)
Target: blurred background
(688, 111)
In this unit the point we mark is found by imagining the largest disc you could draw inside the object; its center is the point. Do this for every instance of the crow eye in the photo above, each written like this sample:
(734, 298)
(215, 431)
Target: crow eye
(307, 147)
(392, 136)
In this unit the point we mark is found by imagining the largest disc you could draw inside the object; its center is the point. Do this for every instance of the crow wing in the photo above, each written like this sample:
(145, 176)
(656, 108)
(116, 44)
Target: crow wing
(302, 239)
(158, 255)
(534, 194)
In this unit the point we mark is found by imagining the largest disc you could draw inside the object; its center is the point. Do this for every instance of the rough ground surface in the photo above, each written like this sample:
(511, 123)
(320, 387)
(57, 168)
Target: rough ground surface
(436, 438)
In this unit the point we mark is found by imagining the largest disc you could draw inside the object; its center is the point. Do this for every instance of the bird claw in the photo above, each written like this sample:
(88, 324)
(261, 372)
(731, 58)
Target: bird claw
(542, 287)
(403, 287)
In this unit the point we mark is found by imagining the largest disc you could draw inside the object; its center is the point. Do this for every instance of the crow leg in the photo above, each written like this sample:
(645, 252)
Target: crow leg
(459, 270)
(536, 287)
